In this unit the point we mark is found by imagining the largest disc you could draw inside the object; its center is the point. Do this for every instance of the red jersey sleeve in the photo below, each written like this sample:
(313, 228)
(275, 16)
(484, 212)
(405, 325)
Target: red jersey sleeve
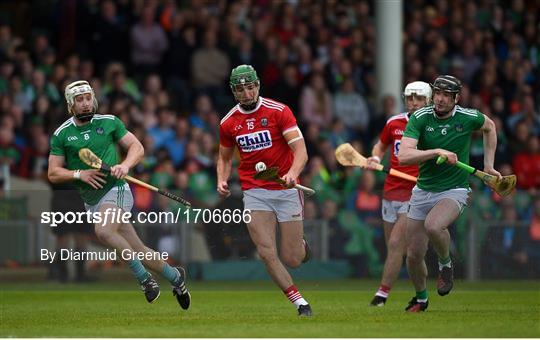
(225, 138)
(287, 119)
(386, 135)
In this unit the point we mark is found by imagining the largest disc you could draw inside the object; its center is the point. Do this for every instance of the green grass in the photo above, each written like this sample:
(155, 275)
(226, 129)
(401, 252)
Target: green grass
(258, 309)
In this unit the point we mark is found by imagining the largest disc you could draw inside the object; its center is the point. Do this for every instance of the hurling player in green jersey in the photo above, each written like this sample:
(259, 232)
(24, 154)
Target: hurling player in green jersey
(444, 129)
(104, 193)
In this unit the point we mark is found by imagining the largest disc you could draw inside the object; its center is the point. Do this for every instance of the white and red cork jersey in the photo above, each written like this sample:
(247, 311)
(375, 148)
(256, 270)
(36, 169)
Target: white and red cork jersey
(259, 137)
(396, 189)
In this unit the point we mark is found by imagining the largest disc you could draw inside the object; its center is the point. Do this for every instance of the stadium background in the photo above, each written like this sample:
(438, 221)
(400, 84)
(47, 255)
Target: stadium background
(163, 67)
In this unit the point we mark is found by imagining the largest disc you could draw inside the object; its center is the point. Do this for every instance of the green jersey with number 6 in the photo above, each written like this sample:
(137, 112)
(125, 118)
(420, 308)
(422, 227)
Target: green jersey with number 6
(453, 134)
(99, 135)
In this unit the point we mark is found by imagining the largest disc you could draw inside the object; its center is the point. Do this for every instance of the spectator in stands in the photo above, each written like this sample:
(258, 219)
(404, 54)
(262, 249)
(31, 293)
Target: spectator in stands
(310, 210)
(339, 134)
(118, 89)
(502, 155)
(7, 69)
(86, 69)
(351, 109)
(72, 62)
(40, 85)
(8, 42)
(117, 84)
(152, 85)
(182, 42)
(528, 115)
(389, 109)
(10, 155)
(110, 38)
(208, 150)
(533, 244)
(338, 236)
(203, 108)
(471, 61)
(333, 72)
(367, 201)
(34, 159)
(505, 244)
(163, 132)
(148, 113)
(526, 165)
(23, 97)
(316, 102)
(288, 87)
(210, 66)
(148, 42)
(177, 145)
(520, 135)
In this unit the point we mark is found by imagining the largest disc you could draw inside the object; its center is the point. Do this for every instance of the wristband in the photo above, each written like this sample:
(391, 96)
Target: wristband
(377, 158)
(77, 174)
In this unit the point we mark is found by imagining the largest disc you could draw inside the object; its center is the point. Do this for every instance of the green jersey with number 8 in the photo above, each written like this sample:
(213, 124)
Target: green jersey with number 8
(453, 134)
(99, 135)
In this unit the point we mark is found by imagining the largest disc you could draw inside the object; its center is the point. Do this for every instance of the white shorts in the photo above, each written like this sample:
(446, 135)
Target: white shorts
(423, 201)
(288, 204)
(391, 209)
(118, 195)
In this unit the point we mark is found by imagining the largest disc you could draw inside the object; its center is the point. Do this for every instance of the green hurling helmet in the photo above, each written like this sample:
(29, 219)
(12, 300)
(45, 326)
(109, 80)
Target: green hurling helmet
(241, 77)
(243, 74)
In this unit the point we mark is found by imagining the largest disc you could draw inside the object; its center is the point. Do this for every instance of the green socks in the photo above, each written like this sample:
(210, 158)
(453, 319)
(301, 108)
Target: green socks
(422, 296)
(171, 274)
(445, 262)
(168, 272)
(138, 270)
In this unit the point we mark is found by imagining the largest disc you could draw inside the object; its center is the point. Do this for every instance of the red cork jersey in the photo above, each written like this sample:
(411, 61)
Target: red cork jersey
(259, 137)
(396, 189)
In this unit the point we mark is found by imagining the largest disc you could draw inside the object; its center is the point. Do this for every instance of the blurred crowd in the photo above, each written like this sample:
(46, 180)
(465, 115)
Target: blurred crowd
(163, 67)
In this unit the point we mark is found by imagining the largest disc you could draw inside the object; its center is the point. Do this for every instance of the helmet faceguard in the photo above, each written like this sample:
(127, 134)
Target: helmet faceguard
(418, 88)
(244, 76)
(73, 90)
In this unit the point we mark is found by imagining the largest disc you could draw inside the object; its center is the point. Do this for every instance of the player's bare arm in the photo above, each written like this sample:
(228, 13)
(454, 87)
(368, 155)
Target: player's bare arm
(58, 174)
(298, 146)
(224, 166)
(135, 152)
(409, 154)
(490, 144)
(377, 153)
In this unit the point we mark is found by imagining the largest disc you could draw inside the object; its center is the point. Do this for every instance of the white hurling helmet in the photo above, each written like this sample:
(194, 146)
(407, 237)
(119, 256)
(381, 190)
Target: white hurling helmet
(73, 90)
(418, 88)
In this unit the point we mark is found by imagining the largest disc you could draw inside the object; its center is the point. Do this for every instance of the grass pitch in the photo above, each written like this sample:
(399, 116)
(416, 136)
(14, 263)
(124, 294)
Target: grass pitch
(259, 309)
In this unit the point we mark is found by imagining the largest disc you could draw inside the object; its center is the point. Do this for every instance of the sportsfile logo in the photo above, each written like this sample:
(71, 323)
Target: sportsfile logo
(254, 141)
